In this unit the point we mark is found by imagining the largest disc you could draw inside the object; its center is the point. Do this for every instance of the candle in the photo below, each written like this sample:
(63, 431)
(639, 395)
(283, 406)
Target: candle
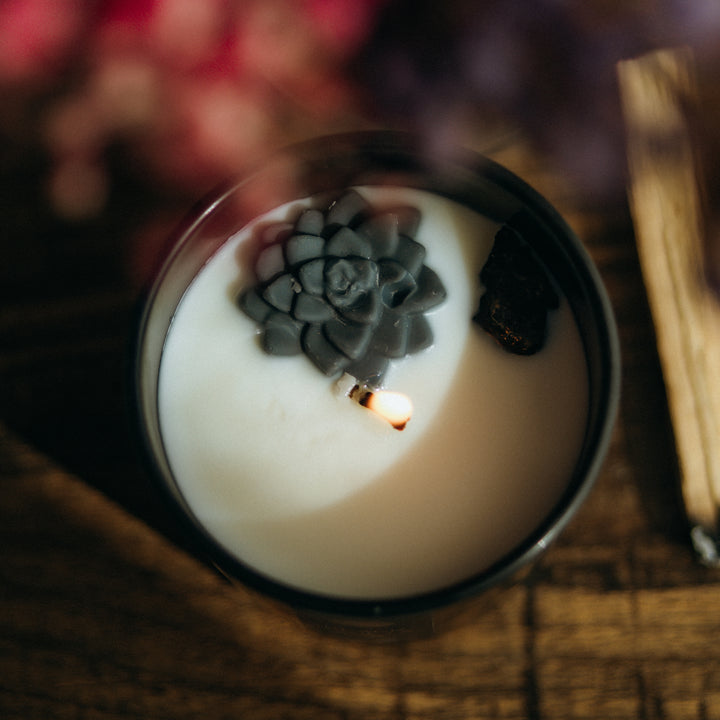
(373, 386)
(322, 494)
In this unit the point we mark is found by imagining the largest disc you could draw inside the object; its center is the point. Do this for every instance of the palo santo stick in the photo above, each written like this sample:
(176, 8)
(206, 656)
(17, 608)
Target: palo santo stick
(666, 206)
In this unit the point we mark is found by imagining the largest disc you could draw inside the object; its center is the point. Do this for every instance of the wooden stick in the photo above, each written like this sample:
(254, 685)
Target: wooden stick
(656, 90)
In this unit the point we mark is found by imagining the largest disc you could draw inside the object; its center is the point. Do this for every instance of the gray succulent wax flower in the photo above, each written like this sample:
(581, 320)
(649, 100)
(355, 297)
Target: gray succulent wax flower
(347, 287)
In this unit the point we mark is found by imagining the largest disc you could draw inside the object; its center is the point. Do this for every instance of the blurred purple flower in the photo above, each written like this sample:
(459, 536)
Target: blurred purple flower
(547, 66)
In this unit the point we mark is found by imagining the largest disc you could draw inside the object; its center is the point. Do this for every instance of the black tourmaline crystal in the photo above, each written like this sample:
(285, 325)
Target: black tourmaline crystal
(518, 294)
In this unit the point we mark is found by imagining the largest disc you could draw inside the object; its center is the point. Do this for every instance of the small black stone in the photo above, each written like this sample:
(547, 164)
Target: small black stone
(518, 325)
(518, 294)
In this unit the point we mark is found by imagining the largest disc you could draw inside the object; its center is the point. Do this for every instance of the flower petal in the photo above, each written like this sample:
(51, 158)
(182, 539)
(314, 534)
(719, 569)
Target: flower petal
(366, 311)
(269, 262)
(312, 276)
(300, 248)
(346, 243)
(396, 283)
(349, 280)
(390, 272)
(310, 308)
(410, 254)
(428, 292)
(275, 233)
(346, 209)
(381, 231)
(282, 335)
(321, 352)
(352, 340)
(369, 369)
(391, 335)
(281, 292)
(311, 222)
(254, 306)
(408, 220)
(420, 336)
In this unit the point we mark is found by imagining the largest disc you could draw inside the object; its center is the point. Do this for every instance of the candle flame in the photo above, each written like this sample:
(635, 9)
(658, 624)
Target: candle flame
(395, 407)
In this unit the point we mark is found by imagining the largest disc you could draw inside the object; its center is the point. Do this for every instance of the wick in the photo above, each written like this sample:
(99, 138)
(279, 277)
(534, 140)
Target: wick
(394, 407)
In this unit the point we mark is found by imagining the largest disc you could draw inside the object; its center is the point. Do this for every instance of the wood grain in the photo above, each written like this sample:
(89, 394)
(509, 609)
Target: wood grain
(104, 615)
(658, 91)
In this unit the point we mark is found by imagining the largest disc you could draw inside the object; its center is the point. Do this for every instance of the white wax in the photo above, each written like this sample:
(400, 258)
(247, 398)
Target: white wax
(314, 490)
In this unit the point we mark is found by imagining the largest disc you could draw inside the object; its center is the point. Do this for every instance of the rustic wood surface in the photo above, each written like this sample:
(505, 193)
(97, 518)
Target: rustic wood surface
(104, 615)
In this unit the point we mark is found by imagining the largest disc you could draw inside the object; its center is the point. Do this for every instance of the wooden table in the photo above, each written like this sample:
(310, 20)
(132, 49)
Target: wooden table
(104, 615)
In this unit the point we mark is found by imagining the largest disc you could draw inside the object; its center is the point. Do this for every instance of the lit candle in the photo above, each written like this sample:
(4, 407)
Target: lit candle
(303, 477)
(275, 464)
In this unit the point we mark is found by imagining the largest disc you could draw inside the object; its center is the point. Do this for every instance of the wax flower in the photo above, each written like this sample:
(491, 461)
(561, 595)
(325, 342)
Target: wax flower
(347, 287)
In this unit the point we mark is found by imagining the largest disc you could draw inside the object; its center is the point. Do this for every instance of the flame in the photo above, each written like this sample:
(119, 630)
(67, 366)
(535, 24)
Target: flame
(395, 407)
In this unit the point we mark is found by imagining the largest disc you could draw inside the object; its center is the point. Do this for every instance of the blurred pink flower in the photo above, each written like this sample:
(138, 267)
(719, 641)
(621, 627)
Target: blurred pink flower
(213, 128)
(186, 33)
(343, 25)
(193, 90)
(36, 37)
